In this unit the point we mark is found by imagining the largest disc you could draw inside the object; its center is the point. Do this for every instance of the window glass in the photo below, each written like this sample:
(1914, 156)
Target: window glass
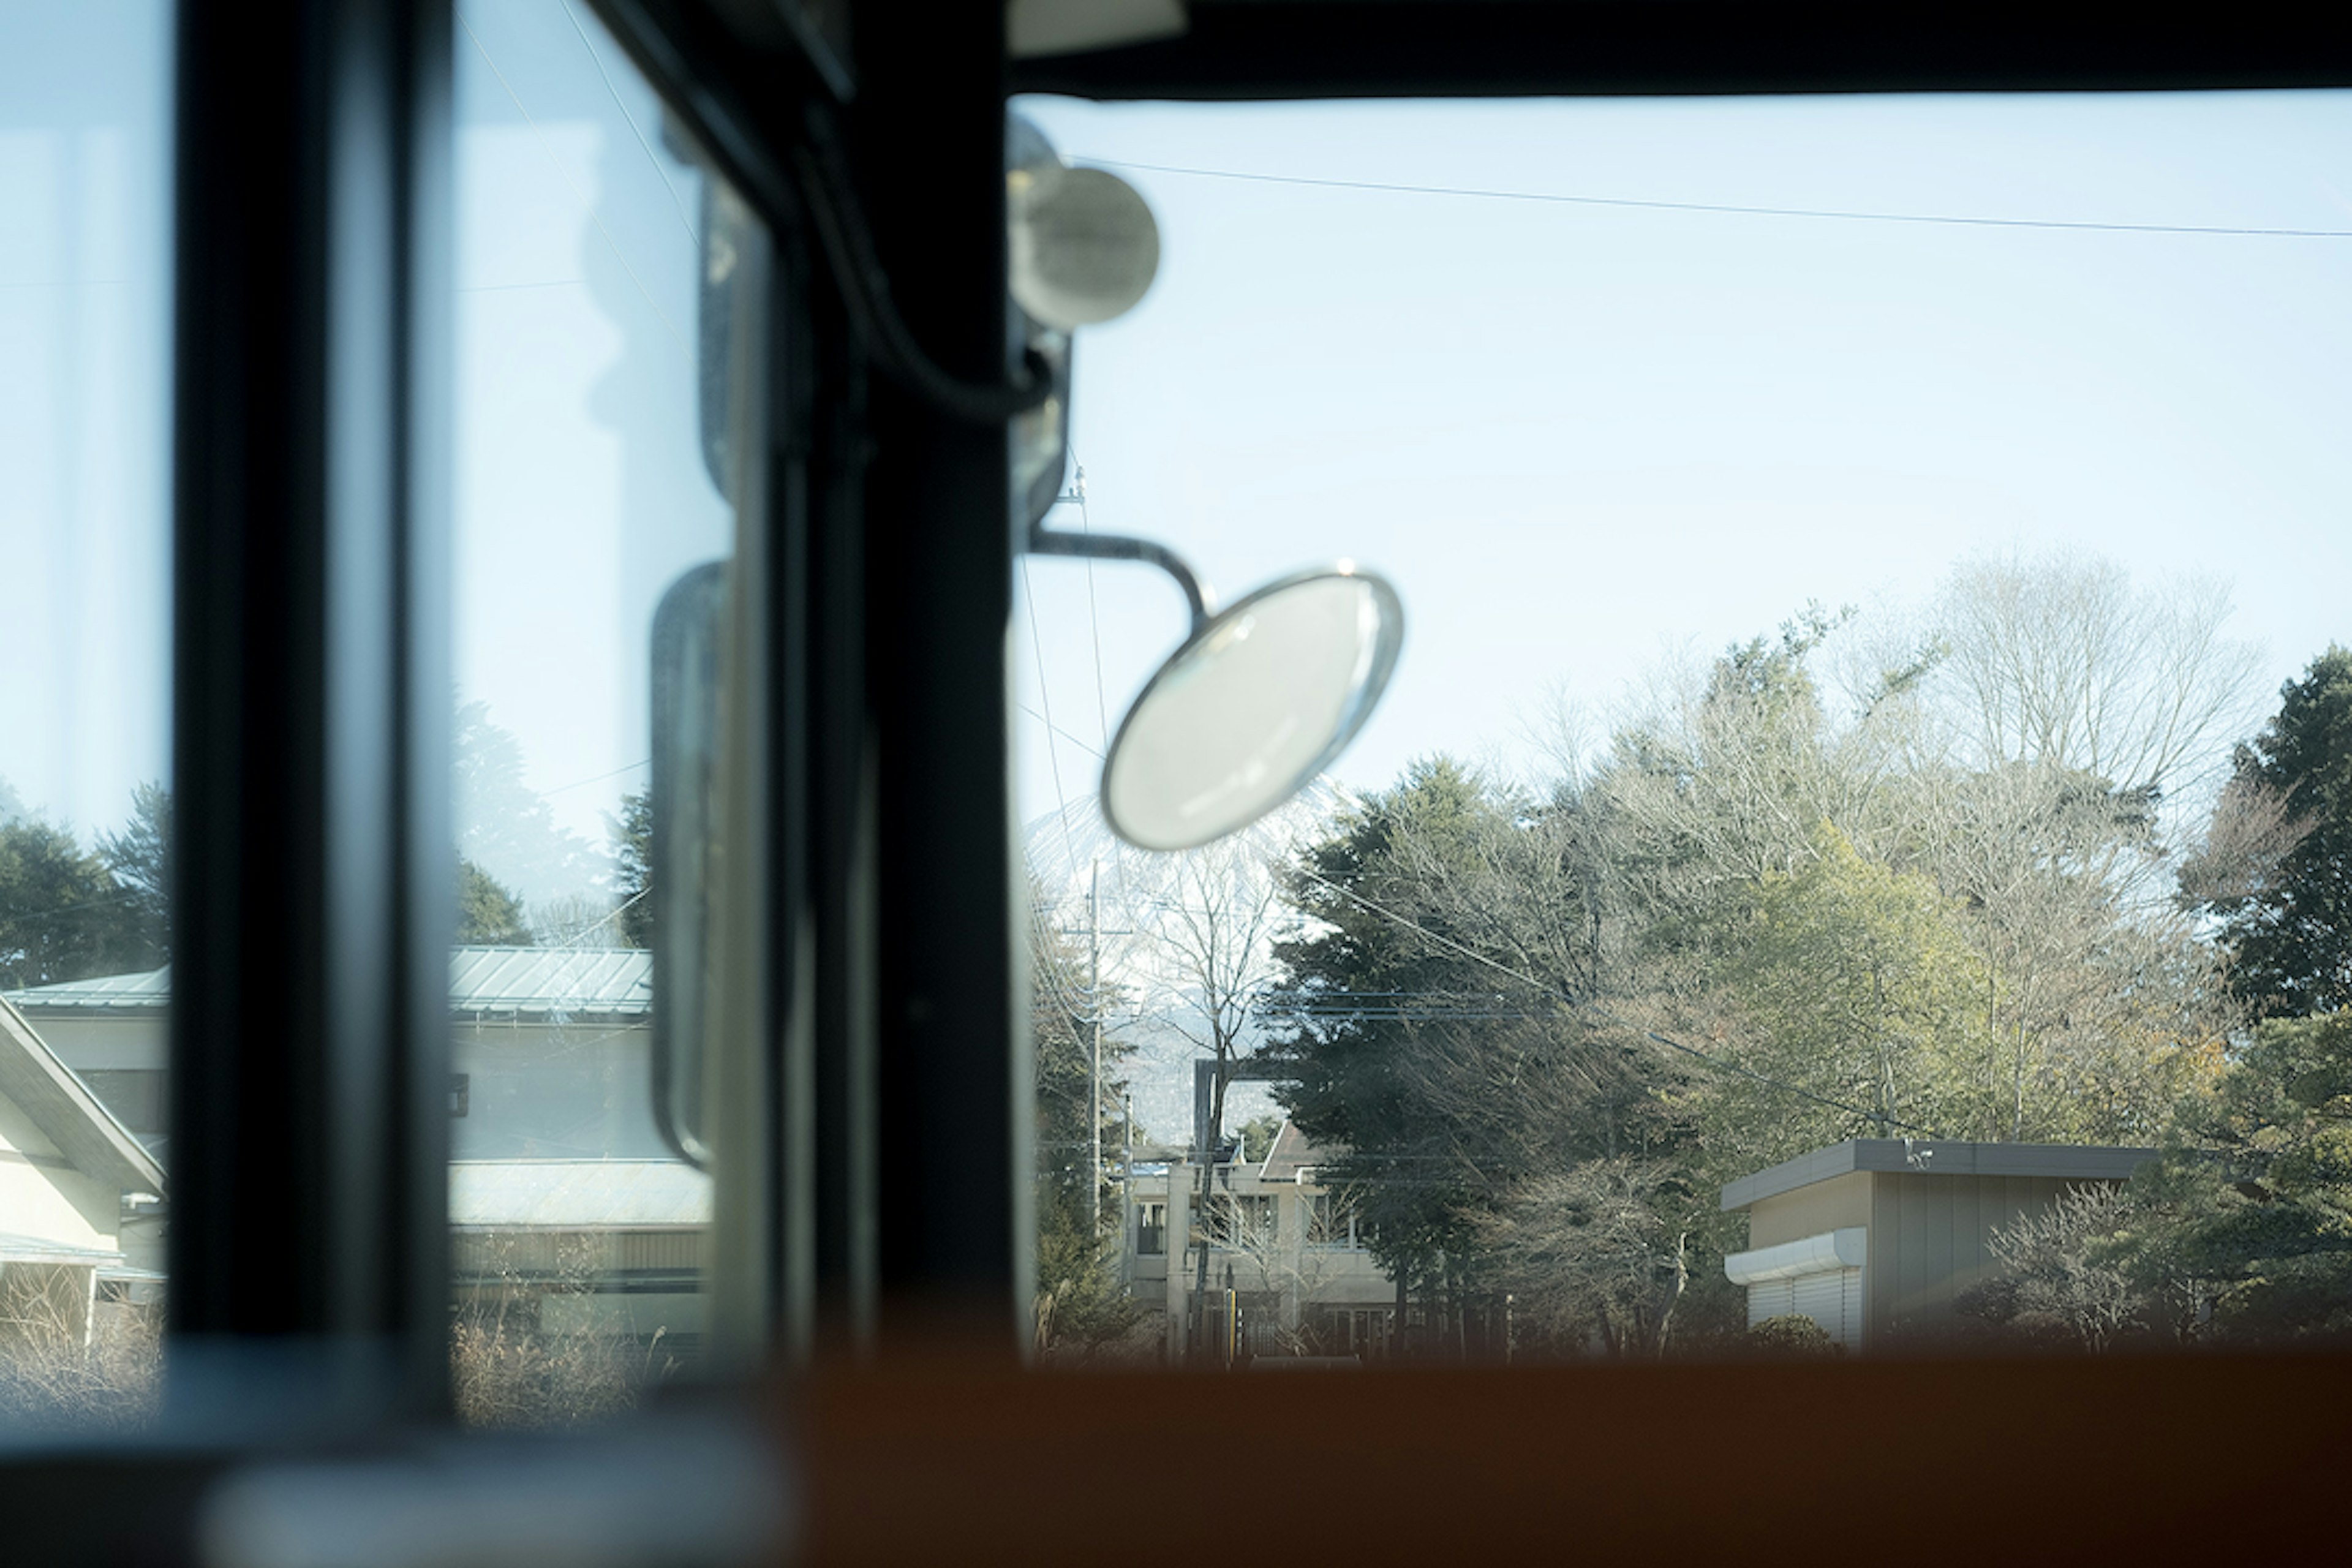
(596, 259)
(85, 701)
(1850, 860)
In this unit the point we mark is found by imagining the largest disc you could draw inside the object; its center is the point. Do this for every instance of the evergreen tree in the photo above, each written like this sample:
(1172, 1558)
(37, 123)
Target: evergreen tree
(1854, 984)
(140, 857)
(489, 915)
(508, 829)
(2238, 1234)
(2253, 1197)
(1503, 1140)
(62, 915)
(1081, 1307)
(2288, 922)
(632, 868)
(1364, 991)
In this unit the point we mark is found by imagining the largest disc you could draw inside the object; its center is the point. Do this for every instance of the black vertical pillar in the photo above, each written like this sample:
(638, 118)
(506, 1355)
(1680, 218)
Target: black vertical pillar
(829, 393)
(311, 912)
(928, 139)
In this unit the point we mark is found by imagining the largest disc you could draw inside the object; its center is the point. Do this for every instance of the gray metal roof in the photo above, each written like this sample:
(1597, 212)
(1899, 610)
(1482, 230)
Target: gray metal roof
(555, 981)
(151, 988)
(496, 982)
(15, 1248)
(1935, 1157)
(577, 1195)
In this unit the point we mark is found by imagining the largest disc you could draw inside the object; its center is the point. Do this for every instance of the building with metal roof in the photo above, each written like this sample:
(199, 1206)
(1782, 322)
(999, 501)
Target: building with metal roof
(558, 1178)
(1876, 1238)
(547, 1049)
(76, 1191)
(516, 982)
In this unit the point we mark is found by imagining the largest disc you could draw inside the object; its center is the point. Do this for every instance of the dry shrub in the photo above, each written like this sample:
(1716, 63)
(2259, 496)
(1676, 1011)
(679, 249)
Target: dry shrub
(508, 1368)
(66, 1360)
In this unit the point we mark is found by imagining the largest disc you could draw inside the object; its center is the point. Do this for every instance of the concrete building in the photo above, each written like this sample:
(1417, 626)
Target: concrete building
(1874, 1238)
(1289, 1267)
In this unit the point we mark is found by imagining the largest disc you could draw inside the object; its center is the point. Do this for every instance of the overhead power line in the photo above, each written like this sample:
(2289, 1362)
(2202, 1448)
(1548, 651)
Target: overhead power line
(1839, 214)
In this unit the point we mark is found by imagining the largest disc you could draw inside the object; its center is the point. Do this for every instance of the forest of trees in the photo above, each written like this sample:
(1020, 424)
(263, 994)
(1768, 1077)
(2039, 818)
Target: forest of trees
(1960, 885)
(73, 912)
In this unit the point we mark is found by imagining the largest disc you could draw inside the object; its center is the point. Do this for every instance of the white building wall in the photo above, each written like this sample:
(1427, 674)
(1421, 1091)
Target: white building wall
(44, 1198)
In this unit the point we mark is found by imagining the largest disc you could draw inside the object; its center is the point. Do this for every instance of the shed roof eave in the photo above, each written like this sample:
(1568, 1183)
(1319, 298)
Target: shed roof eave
(1939, 1157)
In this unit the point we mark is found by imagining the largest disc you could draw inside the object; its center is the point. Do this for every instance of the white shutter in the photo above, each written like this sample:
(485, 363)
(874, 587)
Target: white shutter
(1832, 1298)
(1817, 1276)
(1770, 1299)
(1821, 1297)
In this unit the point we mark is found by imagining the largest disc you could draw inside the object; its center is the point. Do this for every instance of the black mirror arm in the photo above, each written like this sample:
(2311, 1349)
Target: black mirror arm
(1198, 596)
(830, 197)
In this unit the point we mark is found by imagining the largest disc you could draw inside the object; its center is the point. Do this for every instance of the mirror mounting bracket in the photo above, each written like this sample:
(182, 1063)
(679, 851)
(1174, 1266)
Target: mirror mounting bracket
(1198, 596)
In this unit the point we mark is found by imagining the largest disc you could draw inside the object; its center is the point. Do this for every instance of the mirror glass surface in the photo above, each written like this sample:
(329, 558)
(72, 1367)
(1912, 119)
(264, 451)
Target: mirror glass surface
(1250, 708)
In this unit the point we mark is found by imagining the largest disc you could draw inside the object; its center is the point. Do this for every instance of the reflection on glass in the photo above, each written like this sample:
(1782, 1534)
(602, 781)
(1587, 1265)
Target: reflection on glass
(593, 454)
(84, 169)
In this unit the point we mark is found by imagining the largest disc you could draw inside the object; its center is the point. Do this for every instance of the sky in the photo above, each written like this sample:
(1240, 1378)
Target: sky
(1578, 437)
(1582, 438)
(85, 585)
(580, 490)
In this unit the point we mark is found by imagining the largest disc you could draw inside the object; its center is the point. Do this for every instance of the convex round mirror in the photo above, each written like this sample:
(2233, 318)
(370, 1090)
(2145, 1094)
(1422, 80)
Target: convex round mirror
(1263, 697)
(1084, 247)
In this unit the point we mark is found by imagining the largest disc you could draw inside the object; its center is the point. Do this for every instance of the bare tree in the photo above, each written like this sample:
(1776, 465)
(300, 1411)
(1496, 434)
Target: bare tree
(1211, 920)
(2095, 994)
(1603, 1253)
(1721, 778)
(2255, 828)
(1290, 1270)
(2062, 660)
(2067, 1279)
(1214, 923)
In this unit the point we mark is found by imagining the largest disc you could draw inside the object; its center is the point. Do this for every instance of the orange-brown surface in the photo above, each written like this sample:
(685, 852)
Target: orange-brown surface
(2040, 1461)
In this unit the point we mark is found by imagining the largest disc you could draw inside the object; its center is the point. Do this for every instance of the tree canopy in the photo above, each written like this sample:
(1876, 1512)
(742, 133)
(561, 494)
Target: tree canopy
(2286, 906)
(1823, 886)
(1081, 1307)
(69, 913)
(489, 915)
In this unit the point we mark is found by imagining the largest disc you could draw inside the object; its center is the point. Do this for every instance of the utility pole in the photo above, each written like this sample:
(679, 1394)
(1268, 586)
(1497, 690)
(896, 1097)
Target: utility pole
(1094, 1033)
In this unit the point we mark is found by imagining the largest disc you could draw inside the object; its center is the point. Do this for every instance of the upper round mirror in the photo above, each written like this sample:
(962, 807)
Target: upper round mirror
(1256, 704)
(1085, 247)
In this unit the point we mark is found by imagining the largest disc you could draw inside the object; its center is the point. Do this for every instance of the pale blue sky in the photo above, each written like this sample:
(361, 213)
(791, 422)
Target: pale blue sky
(85, 301)
(1580, 436)
(1576, 436)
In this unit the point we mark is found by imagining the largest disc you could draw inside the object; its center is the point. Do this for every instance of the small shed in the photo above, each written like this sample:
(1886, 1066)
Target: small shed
(1873, 1238)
